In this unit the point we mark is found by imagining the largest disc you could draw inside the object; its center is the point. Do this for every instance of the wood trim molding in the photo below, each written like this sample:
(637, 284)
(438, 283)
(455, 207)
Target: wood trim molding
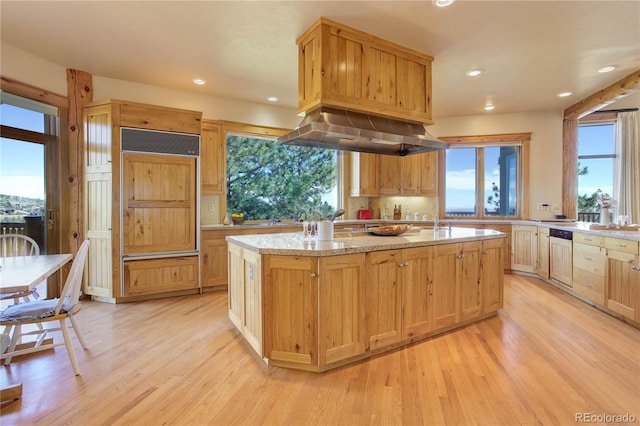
(604, 97)
(504, 137)
(31, 92)
(250, 129)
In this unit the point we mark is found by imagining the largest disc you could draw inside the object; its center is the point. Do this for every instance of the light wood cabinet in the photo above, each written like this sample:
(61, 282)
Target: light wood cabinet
(524, 248)
(505, 229)
(213, 256)
(341, 307)
(446, 280)
(622, 293)
(158, 203)
(121, 213)
(365, 174)
(383, 295)
(410, 175)
(417, 292)
(213, 159)
(589, 267)
(470, 280)
(543, 252)
(492, 276)
(342, 67)
(561, 260)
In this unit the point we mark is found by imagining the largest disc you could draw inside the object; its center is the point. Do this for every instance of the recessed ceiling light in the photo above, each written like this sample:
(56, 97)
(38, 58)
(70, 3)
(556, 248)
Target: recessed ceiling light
(443, 3)
(489, 107)
(607, 69)
(564, 94)
(199, 81)
(473, 73)
(272, 99)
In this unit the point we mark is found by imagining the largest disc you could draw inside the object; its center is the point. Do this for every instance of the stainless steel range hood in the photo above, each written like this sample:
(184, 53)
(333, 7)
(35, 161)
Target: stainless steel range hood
(341, 129)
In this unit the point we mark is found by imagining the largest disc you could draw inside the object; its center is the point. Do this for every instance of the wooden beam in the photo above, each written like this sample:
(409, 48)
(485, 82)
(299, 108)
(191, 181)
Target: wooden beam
(80, 92)
(604, 97)
(570, 168)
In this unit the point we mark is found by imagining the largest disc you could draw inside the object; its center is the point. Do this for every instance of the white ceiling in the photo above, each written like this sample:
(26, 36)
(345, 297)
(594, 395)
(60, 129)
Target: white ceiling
(529, 50)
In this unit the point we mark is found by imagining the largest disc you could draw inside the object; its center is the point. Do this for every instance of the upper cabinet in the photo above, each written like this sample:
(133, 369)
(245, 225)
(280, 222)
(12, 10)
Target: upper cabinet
(411, 175)
(213, 160)
(345, 68)
(365, 174)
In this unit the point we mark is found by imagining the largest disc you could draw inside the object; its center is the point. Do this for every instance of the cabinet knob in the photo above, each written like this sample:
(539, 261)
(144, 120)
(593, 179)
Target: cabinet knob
(461, 256)
(636, 268)
(313, 275)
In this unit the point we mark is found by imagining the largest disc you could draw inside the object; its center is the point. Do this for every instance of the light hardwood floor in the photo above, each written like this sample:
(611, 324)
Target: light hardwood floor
(542, 360)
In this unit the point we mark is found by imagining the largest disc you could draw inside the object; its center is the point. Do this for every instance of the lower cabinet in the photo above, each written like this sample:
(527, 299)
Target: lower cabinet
(152, 276)
(319, 312)
(623, 278)
(524, 248)
(543, 252)
(560, 260)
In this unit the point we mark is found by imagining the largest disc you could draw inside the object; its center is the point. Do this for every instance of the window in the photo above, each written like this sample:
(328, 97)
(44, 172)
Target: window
(596, 159)
(484, 176)
(268, 180)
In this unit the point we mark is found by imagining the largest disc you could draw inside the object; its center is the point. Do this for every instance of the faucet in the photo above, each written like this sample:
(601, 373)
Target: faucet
(297, 217)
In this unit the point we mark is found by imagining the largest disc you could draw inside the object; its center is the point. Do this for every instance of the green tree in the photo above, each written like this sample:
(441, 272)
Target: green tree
(268, 180)
(494, 200)
(586, 203)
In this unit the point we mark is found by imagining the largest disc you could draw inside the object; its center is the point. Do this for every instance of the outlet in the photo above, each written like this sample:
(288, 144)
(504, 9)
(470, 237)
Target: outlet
(543, 206)
(211, 207)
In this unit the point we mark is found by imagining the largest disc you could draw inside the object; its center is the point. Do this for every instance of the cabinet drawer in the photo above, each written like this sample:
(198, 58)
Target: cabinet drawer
(589, 285)
(619, 244)
(160, 275)
(589, 258)
(593, 240)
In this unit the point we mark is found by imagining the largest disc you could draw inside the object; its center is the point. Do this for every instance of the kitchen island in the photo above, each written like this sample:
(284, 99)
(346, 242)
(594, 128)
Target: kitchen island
(317, 305)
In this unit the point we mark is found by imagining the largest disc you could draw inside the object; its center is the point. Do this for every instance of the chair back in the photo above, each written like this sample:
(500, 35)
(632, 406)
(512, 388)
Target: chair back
(18, 245)
(71, 290)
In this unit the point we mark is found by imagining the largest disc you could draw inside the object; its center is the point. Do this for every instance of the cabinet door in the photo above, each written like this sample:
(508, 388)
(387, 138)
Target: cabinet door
(213, 161)
(417, 291)
(561, 260)
(429, 174)
(410, 169)
(390, 178)
(158, 203)
(470, 280)
(492, 275)
(160, 275)
(214, 262)
(623, 283)
(252, 304)
(445, 284)
(342, 310)
(236, 289)
(506, 229)
(291, 309)
(524, 248)
(383, 298)
(365, 174)
(543, 252)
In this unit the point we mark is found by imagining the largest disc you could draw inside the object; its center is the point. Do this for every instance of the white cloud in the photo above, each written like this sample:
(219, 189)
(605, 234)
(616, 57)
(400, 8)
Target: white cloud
(24, 186)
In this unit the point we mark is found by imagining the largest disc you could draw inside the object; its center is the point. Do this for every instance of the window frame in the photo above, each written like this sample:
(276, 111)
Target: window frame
(485, 141)
(266, 132)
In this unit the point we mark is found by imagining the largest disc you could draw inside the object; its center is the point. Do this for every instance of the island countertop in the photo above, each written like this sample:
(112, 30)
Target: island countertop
(293, 244)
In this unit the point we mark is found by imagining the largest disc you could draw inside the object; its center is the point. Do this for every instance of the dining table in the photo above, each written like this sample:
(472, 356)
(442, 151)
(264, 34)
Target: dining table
(22, 273)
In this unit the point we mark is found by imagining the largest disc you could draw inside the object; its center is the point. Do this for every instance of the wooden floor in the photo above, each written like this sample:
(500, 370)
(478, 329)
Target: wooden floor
(544, 359)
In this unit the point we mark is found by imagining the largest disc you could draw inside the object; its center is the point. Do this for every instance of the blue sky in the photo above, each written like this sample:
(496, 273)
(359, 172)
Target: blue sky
(21, 163)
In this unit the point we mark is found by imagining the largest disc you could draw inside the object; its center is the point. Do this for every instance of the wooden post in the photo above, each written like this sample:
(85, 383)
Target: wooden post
(80, 93)
(570, 168)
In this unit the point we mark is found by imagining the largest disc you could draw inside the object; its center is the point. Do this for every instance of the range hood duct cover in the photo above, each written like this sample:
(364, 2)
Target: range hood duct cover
(333, 128)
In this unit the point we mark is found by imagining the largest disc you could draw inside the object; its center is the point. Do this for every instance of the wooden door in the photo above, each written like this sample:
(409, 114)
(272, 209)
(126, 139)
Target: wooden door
(470, 280)
(383, 294)
(390, 177)
(622, 292)
(252, 303)
(341, 328)
(492, 275)
(446, 272)
(213, 161)
(543, 252)
(524, 248)
(429, 174)
(236, 288)
(561, 260)
(291, 309)
(158, 203)
(417, 292)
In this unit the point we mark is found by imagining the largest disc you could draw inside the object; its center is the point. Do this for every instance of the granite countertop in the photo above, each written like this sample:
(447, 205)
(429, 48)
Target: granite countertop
(293, 244)
(585, 228)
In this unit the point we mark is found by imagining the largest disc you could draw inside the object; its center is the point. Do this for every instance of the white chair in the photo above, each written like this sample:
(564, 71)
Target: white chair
(47, 310)
(19, 245)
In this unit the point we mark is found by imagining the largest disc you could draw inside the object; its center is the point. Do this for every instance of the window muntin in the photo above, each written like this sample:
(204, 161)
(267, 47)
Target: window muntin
(268, 180)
